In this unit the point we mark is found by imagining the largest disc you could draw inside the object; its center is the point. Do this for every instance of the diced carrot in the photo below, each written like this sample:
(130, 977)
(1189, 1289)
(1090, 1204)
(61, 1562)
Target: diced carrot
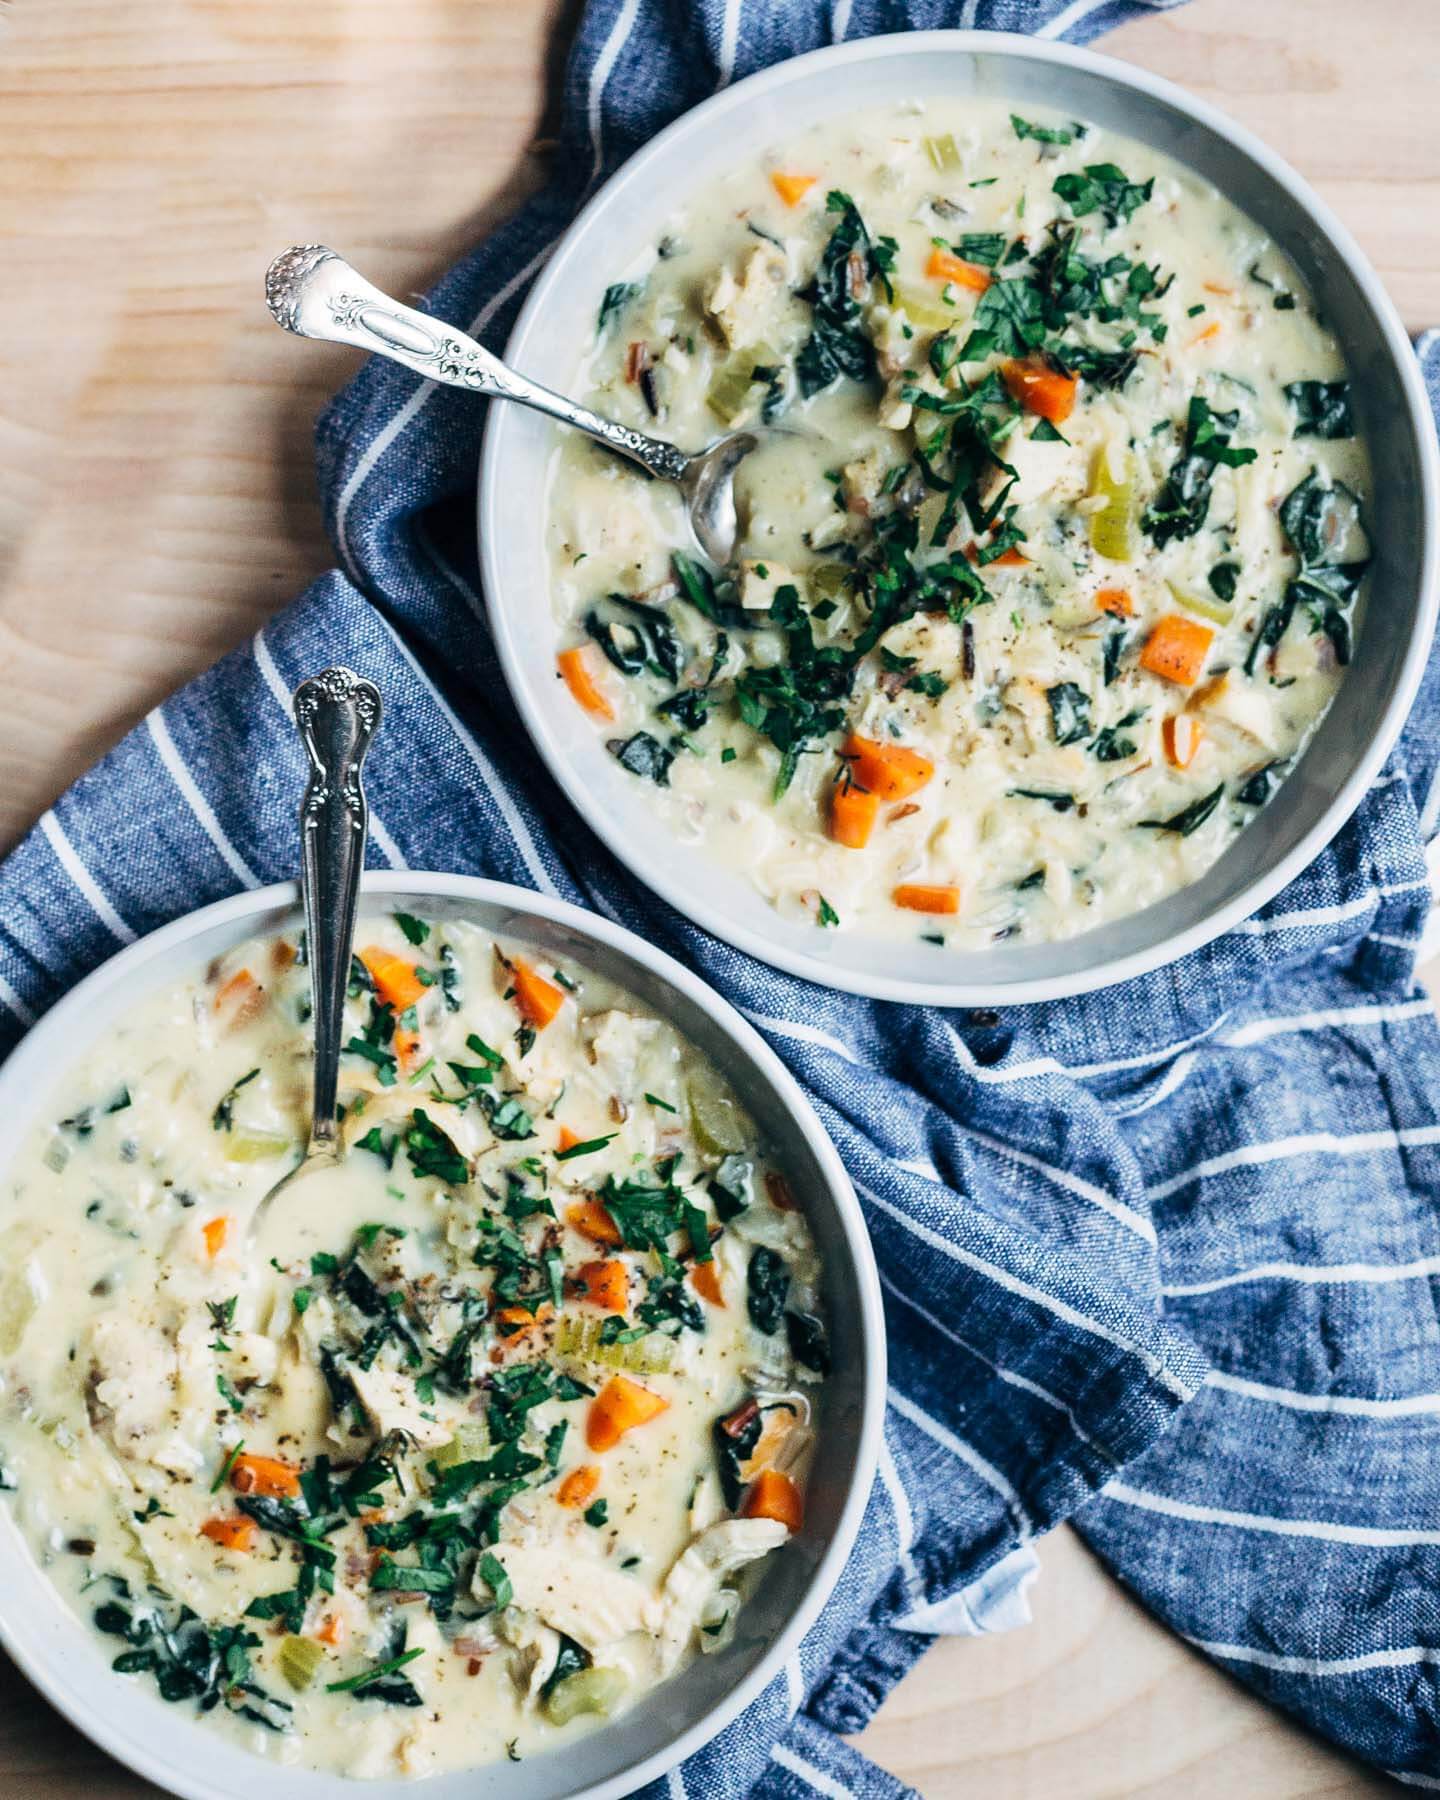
(215, 1231)
(792, 189)
(1116, 601)
(518, 1321)
(619, 1407)
(1176, 649)
(944, 265)
(1182, 735)
(591, 1220)
(578, 1487)
(267, 1475)
(241, 999)
(538, 1000)
(230, 1534)
(235, 989)
(407, 1043)
(1007, 559)
(1212, 330)
(331, 1630)
(282, 953)
(396, 981)
(1216, 287)
(579, 677)
(705, 1279)
(889, 771)
(853, 811)
(605, 1283)
(567, 1139)
(916, 896)
(775, 1496)
(1040, 389)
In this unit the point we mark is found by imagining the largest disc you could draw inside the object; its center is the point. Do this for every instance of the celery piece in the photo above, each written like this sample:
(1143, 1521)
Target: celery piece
(300, 1658)
(1219, 612)
(586, 1691)
(943, 153)
(1112, 526)
(254, 1146)
(471, 1443)
(928, 311)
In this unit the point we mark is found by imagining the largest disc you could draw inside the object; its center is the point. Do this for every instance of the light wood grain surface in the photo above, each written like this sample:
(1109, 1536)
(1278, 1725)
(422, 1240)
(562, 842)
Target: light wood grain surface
(157, 504)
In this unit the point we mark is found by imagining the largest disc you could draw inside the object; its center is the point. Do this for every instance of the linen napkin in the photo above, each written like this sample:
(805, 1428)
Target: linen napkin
(1161, 1259)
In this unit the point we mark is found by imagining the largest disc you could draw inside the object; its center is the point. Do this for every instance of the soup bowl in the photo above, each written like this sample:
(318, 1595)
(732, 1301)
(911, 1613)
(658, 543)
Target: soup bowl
(1347, 750)
(70, 1664)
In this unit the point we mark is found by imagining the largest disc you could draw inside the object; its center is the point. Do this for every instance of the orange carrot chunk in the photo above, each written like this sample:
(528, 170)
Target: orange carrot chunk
(605, 1284)
(215, 1232)
(591, 1220)
(538, 1000)
(1182, 736)
(1007, 559)
(705, 1279)
(1212, 330)
(267, 1475)
(237, 989)
(853, 812)
(1176, 650)
(889, 771)
(230, 1534)
(1040, 389)
(619, 1407)
(917, 896)
(944, 265)
(579, 677)
(518, 1321)
(1116, 601)
(406, 1043)
(396, 981)
(332, 1630)
(578, 1487)
(241, 1000)
(792, 189)
(775, 1496)
(568, 1139)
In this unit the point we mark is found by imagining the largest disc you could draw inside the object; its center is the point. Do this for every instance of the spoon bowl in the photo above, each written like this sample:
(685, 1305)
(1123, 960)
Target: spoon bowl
(316, 294)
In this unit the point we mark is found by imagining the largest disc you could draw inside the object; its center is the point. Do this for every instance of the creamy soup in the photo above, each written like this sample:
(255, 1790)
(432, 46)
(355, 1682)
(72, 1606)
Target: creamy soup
(1050, 568)
(471, 1444)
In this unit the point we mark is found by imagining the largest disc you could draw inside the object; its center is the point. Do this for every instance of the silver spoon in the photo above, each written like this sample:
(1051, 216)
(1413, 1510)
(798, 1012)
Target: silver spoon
(315, 293)
(338, 714)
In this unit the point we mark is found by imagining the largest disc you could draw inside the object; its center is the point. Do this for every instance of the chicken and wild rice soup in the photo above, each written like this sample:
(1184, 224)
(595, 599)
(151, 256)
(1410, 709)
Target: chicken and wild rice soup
(489, 1431)
(1053, 569)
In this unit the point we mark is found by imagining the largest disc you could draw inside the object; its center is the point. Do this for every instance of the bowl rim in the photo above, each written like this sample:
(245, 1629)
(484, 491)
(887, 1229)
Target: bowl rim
(33, 1064)
(667, 876)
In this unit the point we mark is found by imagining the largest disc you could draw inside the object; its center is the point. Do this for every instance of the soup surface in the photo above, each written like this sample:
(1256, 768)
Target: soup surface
(471, 1446)
(1047, 574)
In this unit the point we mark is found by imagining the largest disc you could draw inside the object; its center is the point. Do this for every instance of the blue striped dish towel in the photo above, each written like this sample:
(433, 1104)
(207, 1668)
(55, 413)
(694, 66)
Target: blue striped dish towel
(1164, 1260)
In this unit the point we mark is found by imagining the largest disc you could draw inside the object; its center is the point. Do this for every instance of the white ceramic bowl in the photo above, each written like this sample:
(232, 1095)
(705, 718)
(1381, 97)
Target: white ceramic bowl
(1355, 736)
(70, 1663)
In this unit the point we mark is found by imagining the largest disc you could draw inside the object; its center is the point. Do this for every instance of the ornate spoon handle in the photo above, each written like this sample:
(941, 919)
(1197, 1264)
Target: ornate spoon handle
(315, 293)
(338, 714)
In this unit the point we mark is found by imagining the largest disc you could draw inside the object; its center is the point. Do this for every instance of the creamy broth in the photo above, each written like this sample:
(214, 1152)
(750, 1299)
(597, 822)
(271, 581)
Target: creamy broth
(1053, 576)
(484, 1435)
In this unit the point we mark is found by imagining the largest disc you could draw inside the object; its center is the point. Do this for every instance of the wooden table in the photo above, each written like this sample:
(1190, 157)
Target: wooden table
(157, 504)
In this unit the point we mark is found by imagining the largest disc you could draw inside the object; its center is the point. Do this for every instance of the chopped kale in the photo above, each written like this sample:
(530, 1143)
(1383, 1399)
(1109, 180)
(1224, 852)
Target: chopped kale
(1322, 408)
(1183, 502)
(616, 298)
(223, 1117)
(767, 1283)
(1104, 188)
(1069, 712)
(808, 1343)
(1189, 818)
(644, 755)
